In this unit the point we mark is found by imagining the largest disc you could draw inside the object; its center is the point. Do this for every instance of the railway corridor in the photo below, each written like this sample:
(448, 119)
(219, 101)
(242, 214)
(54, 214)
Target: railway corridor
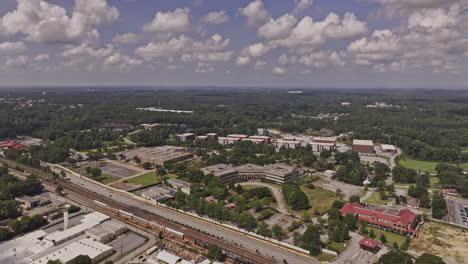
(238, 239)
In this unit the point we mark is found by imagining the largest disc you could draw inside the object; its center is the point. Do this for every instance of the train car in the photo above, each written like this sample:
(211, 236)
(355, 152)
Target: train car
(174, 233)
(189, 239)
(125, 215)
(156, 226)
(100, 204)
(141, 221)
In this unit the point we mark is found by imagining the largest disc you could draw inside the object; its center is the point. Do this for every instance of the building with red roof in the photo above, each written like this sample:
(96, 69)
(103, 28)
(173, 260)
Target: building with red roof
(13, 145)
(391, 219)
(370, 245)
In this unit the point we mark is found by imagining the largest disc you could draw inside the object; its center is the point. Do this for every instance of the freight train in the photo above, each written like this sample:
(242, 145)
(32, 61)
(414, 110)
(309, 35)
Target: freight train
(144, 222)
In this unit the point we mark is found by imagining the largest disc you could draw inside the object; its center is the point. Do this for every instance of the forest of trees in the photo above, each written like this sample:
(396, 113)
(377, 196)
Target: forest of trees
(428, 126)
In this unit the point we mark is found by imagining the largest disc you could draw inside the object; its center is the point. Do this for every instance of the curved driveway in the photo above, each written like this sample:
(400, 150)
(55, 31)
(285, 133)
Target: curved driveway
(282, 207)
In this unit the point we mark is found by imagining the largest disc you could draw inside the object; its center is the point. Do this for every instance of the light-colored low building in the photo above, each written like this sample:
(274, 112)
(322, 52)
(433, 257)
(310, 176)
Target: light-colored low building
(167, 257)
(179, 184)
(115, 227)
(157, 193)
(100, 234)
(287, 144)
(330, 173)
(228, 140)
(88, 221)
(223, 171)
(389, 148)
(186, 137)
(93, 249)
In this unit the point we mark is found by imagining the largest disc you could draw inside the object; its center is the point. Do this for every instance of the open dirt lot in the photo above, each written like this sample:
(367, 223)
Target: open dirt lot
(443, 240)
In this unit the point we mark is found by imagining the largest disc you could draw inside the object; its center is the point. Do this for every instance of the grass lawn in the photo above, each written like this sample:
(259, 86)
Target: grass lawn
(464, 166)
(145, 179)
(338, 247)
(319, 199)
(326, 257)
(391, 237)
(105, 179)
(427, 166)
(375, 199)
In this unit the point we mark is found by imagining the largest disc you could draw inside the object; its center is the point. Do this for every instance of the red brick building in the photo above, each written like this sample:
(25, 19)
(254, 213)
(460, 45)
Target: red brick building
(363, 146)
(387, 218)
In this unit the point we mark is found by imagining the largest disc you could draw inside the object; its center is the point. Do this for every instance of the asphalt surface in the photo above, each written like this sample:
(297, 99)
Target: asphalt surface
(457, 211)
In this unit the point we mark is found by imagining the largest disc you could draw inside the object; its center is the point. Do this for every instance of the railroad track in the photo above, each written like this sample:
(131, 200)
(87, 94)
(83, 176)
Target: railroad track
(88, 198)
(239, 251)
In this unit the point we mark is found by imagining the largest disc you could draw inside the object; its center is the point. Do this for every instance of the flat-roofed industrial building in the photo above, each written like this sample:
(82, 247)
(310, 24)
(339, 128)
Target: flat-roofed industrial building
(93, 249)
(365, 147)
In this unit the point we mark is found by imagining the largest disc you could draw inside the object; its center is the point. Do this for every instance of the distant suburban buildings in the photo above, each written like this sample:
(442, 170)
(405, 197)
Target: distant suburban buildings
(186, 137)
(396, 220)
(118, 127)
(12, 145)
(279, 173)
(159, 109)
(365, 147)
(323, 143)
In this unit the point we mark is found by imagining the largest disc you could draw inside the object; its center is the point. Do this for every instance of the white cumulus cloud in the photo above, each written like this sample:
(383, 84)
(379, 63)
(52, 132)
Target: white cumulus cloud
(255, 13)
(42, 22)
(219, 17)
(177, 21)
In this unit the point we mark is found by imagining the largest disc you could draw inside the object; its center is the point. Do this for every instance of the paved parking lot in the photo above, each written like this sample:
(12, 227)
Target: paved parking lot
(458, 211)
(116, 171)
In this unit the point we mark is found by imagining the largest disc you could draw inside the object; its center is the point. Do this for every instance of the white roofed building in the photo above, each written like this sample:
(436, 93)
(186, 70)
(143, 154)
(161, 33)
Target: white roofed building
(93, 249)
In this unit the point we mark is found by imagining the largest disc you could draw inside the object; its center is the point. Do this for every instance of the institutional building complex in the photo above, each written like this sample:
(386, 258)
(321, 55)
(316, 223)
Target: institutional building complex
(279, 173)
(396, 220)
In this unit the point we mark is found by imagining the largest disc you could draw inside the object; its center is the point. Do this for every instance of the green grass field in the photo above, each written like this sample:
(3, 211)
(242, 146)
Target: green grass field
(105, 179)
(319, 199)
(391, 237)
(145, 179)
(338, 247)
(426, 166)
(375, 199)
(464, 166)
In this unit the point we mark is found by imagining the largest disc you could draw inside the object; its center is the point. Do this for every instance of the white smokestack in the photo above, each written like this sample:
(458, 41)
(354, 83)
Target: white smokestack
(65, 220)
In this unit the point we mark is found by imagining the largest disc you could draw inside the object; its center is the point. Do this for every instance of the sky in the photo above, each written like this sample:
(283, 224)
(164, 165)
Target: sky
(235, 43)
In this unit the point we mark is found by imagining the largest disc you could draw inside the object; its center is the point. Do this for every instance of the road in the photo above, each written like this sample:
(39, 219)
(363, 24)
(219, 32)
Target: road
(282, 206)
(253, 244)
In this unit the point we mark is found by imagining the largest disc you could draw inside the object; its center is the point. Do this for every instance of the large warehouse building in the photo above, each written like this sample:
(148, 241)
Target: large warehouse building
(365, 147)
